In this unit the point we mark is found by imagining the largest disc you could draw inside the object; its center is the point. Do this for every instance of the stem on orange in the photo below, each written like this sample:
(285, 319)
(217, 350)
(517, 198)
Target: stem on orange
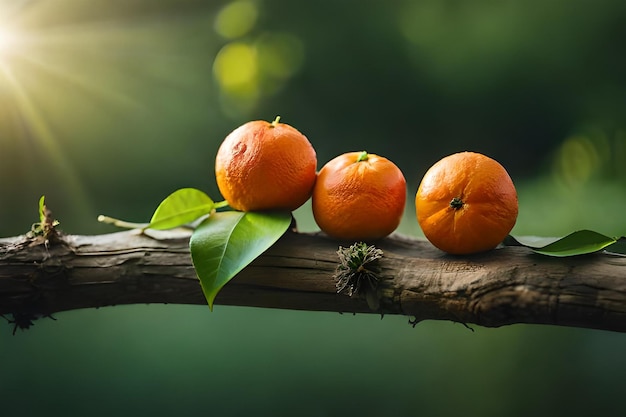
(275, 122)
(456, 203)
(363, 156)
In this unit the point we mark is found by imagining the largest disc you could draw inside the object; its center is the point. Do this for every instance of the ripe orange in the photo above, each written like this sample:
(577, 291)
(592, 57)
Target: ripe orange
(265, 166)
(466, 203)
(359, 196)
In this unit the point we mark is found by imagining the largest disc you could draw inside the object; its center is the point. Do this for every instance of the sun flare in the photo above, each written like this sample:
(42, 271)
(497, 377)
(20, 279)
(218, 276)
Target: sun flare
(85, 83)
(7, 40)
(44, 76)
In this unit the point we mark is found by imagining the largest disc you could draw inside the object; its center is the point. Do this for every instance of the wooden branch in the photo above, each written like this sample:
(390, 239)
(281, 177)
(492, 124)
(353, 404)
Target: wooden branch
(501, 287)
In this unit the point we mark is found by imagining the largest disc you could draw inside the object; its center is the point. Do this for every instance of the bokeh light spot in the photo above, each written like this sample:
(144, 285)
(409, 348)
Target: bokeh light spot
(236, 19)
(577, 160)
(235, 66)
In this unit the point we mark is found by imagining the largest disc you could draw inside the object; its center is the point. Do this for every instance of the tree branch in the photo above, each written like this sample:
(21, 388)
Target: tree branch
(500, 287)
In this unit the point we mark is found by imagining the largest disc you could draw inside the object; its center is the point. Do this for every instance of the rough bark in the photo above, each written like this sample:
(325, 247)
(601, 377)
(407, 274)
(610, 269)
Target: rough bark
(500, 287)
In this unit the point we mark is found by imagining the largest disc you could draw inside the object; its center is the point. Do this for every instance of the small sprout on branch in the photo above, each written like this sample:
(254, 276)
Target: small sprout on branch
(45, 228)
(357, 267)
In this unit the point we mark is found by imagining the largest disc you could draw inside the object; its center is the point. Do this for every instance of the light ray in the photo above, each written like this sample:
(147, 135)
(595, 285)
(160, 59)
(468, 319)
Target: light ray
(77, 78)
(7, 40)
(100, 90)
(36, 123)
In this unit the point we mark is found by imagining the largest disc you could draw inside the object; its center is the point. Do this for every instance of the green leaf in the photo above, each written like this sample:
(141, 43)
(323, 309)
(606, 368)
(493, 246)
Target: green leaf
(42, 209)
(181, 207)
(226, 242)
(577, 243)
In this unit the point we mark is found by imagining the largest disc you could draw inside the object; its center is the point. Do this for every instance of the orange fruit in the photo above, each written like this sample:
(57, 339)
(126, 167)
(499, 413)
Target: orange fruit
(359, 196)
(466, 203)
(265, 166)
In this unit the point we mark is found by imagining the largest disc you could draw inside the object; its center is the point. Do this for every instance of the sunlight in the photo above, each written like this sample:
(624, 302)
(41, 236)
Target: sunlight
(7, 40)
(28, 131)
(43, 133)
(83, 83)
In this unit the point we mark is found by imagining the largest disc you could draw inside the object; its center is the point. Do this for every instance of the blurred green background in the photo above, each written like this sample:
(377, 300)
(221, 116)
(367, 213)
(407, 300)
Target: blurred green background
(108, 106)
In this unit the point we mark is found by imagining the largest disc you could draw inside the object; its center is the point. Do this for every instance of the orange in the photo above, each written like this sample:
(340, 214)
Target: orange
(466, 203)
(359, 196)
(265, 166)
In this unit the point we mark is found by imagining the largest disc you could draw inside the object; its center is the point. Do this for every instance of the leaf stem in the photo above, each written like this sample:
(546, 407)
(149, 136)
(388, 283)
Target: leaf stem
(121, 223)
(220, 204)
